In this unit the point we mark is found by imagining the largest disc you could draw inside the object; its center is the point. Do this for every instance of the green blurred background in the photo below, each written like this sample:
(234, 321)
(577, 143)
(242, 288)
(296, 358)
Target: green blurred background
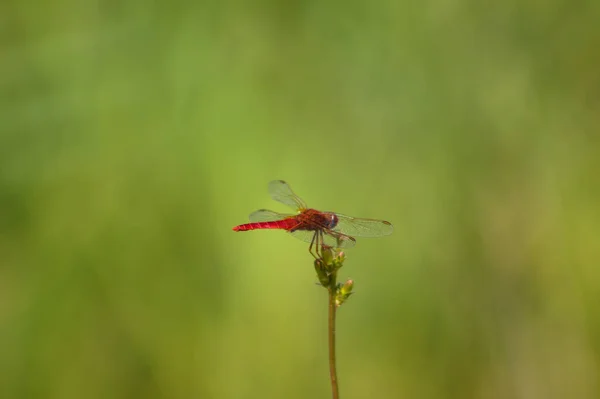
(134, 135)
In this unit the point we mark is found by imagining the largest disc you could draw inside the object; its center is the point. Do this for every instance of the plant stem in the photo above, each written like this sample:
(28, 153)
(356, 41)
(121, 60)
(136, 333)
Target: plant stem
(331, 333)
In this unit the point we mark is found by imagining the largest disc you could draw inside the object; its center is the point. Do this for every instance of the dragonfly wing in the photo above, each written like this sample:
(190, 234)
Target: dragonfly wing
(280, 191)
(303, 235)
(265, 215)
(338, 240)
(362, 227)
(334, 240)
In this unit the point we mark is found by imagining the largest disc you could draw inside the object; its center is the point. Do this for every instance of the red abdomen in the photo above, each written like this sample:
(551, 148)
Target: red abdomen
(285, 224)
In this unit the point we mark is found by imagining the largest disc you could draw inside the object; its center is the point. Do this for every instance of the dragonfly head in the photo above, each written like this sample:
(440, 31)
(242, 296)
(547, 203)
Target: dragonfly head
(331, 220)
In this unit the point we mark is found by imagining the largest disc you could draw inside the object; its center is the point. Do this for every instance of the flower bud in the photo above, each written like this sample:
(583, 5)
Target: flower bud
(343, 292)
(346, 288)
(322, 273)
(327, 255)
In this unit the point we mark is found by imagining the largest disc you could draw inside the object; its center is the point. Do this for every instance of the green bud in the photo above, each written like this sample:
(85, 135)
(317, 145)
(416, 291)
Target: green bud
(327, 254)
(322, 273)
(346, 289)
(338, 261)
(343, 292)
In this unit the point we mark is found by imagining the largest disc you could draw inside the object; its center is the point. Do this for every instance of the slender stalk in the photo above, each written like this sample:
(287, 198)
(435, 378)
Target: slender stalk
(331, 333)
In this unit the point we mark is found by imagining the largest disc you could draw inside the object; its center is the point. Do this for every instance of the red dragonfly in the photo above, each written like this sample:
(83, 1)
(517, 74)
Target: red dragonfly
(320, 229)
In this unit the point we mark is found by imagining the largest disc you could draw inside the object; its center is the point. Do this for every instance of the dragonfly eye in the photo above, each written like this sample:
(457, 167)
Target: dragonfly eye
(332, 221)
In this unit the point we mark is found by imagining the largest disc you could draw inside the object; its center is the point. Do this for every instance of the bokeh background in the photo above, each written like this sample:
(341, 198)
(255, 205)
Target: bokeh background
(134, 135)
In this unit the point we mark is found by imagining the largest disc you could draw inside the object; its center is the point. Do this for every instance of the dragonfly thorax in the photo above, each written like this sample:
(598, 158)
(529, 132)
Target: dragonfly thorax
(311, 219)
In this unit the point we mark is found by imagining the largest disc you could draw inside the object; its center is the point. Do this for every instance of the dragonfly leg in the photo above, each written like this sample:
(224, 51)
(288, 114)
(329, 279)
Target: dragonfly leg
(314, 242)
(317, 244)
(319, 249)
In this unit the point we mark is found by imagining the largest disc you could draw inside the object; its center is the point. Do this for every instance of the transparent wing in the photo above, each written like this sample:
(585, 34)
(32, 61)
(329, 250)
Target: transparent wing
(362, 227)
(280, 191)
(265, 215)
(303, 235)
(333, 240)
(337, 240)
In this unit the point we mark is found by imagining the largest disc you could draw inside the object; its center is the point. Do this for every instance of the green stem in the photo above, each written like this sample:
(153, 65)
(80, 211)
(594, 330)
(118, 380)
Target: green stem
(331, 333)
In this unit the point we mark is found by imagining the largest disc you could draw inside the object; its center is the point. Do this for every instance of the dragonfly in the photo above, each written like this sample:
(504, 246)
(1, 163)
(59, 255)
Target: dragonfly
(320, 229)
